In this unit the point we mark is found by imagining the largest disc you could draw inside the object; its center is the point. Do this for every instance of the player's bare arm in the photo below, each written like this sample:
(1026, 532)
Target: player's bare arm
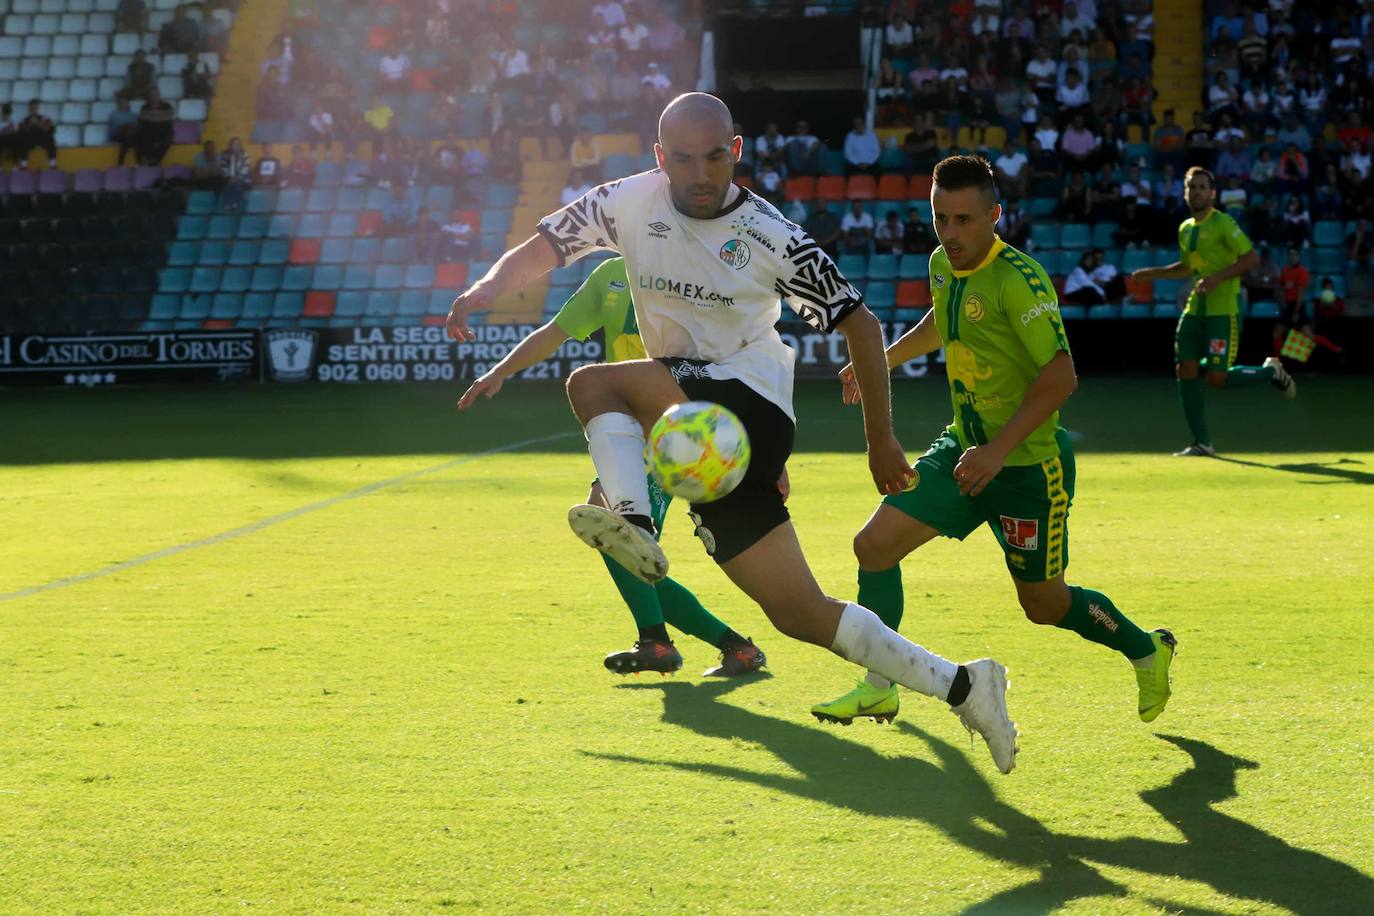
(539, 345)
(1175, 271)
(917, 341)
(886, 459)
(1244, 264)
(516, 269)
(1051, 388)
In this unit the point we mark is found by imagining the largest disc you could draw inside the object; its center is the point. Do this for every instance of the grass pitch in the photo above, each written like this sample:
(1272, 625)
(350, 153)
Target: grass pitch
(355, 667)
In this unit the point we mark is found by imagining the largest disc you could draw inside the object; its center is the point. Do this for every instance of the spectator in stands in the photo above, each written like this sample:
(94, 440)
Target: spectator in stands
(922, 73)
(857, 229)
(1233, 196)
(1264, 170)
(1355, 163)
(504, 162)
(1013, 226)
(140, 76)
(1294, 278)
(1235, 161)
(320, 127)
(237, 169)
(770, 144)
(267, 172)
(890, 91)
(633, 39)
(1080, 288)
(1326, 200)
(574, 189)
(400, 213)
(1072, 97)
(1297, 222)
(301, 172)
(1075, 19)
(899, 38)
(121, 127)
(1006, 104)
(1312, 102)
(803, 151)
(377, 122)
(1073, 63)
(179, 35)
(1222, 97)
(1294, 171)
(272, 103)
(1132, 231)
(1012, 170)
(825, 227)
(584, 156)
(1254, 108)
(1110, 148)
(768, 184)
(1294, 133)
(666, 37)
(1253, 51)
(1078, 143)
(861, 151)
(36, 130)
(280, 59)
(658, 82)
(459, 234)
(603, 44)
(1018, 31)
(1359, 245)
(131, 16)
(1076, 200)
(1137, 186)
(9, 133)
(887, 238)
(1043, 75)
(394, 69)
(1169, 192)
(952, 104)
(1047, 133)
(1136, 99)
(195, 77)
(1106, 193)
(610, 12)
(624, 92)
(513, 67)
(1262, 282)
(207, 173)
(426, 238)
(1200, 144)
(916, 237)
(1044, 170)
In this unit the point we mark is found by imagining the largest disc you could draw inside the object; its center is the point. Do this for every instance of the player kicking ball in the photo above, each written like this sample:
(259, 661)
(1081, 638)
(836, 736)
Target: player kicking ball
(1004, 461)
(1215, 253)
(709, 264)
(603, 301)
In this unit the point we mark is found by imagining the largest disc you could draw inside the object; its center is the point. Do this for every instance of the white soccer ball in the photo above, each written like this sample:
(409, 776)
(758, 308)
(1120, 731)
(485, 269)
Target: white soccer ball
(698, 451)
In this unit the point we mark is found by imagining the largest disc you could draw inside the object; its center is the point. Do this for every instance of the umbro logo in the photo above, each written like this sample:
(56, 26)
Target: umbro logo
(659, 230)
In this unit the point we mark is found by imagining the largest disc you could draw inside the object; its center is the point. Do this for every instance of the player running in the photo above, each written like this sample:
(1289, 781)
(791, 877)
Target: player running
(1004, 461)
(1216, 254)
(603, 301)
(708, 262)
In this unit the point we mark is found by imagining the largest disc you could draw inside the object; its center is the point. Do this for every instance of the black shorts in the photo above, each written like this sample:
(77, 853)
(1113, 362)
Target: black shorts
(731, 525)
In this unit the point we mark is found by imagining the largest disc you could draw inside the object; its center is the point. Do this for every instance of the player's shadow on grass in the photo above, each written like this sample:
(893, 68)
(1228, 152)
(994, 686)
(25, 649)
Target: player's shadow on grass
(1236, 858)
(1332, 469)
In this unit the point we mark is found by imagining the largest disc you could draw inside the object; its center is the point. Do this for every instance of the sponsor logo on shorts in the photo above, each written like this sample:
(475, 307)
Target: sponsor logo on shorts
(974, 308)
(1100, 616)
(1035, 311)
(1021, 533)
(914, 482)
(1217, 346)
(681, 369)
(735, 253)
(708, 540)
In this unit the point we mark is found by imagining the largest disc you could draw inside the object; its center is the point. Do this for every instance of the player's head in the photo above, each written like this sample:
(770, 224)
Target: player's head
(1199, 189)
(963, 201)
(697, 149)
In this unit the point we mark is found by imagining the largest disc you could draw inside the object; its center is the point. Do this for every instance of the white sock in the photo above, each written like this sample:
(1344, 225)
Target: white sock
(616, 443)
(863, 638)
(877, 680)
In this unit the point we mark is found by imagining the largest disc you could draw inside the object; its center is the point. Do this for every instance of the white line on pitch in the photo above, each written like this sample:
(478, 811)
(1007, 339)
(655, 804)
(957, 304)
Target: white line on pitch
(277, 519)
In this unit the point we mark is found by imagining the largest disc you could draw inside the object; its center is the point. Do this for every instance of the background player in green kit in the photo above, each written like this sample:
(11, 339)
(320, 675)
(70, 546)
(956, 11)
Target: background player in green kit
(1215, 253)
(603, 301)
(1004, 461)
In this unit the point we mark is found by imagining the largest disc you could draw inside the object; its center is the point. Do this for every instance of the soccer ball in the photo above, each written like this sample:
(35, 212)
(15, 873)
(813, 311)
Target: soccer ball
(698, 451)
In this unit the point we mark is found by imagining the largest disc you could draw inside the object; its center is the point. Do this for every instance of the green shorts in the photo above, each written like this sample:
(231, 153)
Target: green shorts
(1027, 506)
(1212, 341)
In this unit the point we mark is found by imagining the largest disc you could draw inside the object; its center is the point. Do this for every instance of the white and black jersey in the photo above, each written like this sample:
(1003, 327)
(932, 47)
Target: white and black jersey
(709, 289)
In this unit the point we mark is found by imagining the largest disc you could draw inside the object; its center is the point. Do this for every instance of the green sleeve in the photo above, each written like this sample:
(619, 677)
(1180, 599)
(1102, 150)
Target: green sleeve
(1236, 239)
(581, 314)
(1032, 306)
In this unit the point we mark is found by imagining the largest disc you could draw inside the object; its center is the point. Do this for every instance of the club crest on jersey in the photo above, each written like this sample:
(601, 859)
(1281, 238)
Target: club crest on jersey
(939, 281)
(974, 308)
(1021, 533)
(735, 253)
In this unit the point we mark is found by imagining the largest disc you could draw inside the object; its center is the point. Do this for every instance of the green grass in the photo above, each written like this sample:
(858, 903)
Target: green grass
(395, 702)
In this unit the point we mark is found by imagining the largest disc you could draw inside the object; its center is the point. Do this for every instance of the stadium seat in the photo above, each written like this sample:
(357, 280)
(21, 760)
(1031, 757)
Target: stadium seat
(174, 280)
(412, 303)
(1044, 235)
(260, 200)
(1140, 291)
(882, 267)
(320, 200)
(831, 187)
(334, 251)
(881, 295)
(350, 200)
(369, 222)
(252, 226)
(1106, 310)
(913, 267)
(1135, 310)
(243, 253)
(281, 226)
(1104, 235)
(389, 276)
(861, 187)
(257, 306)
(274, 251)
(419, 276)
(304, 251)
(365, 250)
(1165, 310)
(892, 187)
(311, 226)
(356, 276)
(235, 279)
(329, 276)
(381, 303)
(918, 188)
(342, 225)
(1269, 310)
(213, 254)
(204, 280)
(1074, 236)
(395, 251)
(803, 188)
(1072, 312)
(452, 275)
(226, 306)
(182, 254)
(317, 304)
(853, 266)
(196, 306)
(350, 303)
(913, 294)
(265, 279)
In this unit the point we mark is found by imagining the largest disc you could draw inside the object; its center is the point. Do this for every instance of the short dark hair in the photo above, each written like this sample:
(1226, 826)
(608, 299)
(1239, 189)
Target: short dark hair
(1199, 170)
(955, 173)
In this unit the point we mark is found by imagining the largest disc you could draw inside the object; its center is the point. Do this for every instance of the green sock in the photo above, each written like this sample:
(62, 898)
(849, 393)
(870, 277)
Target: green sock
(1093, 616)
(1192, 394)
(639, 596)
(684, 611)
(1244, 376)
(881, 593)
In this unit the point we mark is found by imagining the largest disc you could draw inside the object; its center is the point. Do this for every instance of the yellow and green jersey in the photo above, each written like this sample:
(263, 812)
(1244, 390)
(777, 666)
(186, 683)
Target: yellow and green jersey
(603, 301)
(1206, 246)
(1000, 326)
